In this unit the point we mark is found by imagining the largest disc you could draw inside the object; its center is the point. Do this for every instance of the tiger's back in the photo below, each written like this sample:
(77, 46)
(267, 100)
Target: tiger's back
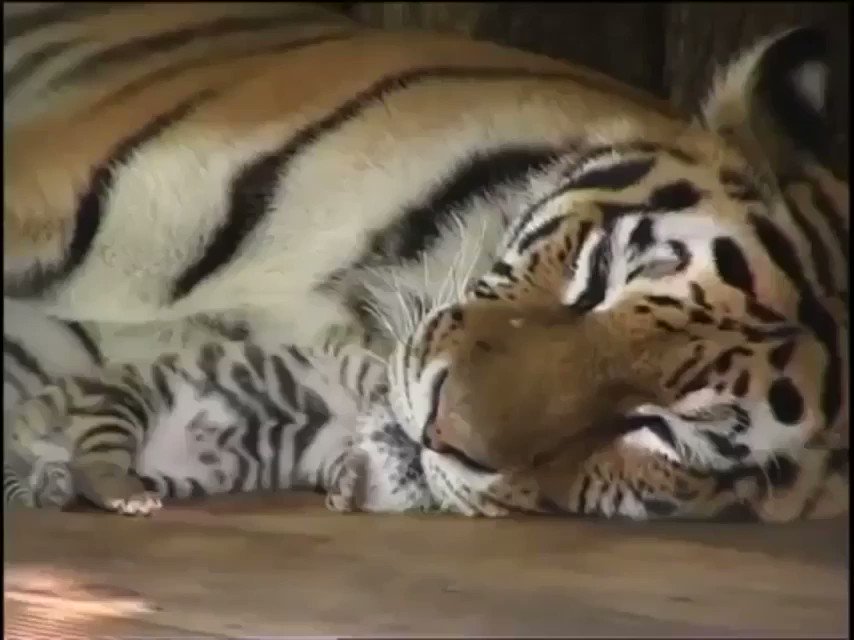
(239, 161)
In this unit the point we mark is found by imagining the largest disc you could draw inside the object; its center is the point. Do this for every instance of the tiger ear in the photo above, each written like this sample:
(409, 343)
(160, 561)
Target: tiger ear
(772, 100)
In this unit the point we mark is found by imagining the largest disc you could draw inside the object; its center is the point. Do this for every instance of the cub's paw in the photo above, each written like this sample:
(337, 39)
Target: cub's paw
(52, 485)
(347, 493)
(459, 489)
(111, 487)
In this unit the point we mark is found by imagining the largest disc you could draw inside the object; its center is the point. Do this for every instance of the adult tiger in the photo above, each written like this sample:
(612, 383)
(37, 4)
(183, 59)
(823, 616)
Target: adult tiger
(167, 167)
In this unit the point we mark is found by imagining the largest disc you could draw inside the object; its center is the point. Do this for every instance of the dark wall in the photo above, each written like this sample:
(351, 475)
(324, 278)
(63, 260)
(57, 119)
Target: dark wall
(667, 48)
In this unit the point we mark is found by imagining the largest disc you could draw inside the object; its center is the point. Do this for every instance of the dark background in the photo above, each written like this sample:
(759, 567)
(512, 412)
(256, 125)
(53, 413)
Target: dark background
(667, 48)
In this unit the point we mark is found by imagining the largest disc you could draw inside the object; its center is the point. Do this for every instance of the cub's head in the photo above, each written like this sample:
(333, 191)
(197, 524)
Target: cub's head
(521, 365)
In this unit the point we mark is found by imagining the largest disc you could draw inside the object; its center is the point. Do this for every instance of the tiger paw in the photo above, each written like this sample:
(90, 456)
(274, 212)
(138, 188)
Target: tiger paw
(347, 493)
(459, 489)
(52, 486)
(143, 503)
(112, 488)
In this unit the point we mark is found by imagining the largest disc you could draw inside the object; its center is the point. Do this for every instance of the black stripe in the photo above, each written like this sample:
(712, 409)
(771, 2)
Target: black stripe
(296, 355)
(584, 230)
(24, 359)
(732, 266)
(125, 433)
(642, 236)
(210, 357)
(317, 416)
(587, 156)
(286, 383)
(523, 220)
(151, 484)
(253, 188)
(244, 463)
(342, 371)
(364, 369)
(780, 249)
(169, 488)
(112, 395)
(86, 340)
(542, 231)
(811, 313)
(90, 207)
(683, 256)
(723, 362)
(249, 446)
(196, 489)
(613, 177)
(161, 385)
(664, 301)
(130, 413)
(275, 436)
(137, 48)
(170, 71)
(418, 226)
(255, 357)
(780, 355)
(725, 447)
(834, 219)
(427, 339)
(661, 429)
(818, 252)
(483, 292)
(698, 295)
(597, 282)
(435, 398)
(620, 175)
(763, 313)
(674, 196)
(242, 377)
(503, 270)
(29, 63)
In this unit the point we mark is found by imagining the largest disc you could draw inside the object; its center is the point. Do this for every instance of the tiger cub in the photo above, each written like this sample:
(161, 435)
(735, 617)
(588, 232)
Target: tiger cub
(228, 417)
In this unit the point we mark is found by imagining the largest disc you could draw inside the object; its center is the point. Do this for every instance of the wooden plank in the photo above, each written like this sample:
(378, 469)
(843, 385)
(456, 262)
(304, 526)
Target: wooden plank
(282, 565)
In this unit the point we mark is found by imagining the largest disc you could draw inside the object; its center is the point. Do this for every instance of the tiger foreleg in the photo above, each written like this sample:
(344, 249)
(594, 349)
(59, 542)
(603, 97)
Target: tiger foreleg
(813, 486)
(627, 481)
(381, 471)
(38, 453)
(83, 434)
(108, 484)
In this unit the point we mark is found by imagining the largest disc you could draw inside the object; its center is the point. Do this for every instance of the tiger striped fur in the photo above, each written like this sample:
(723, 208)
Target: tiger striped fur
(181, 175)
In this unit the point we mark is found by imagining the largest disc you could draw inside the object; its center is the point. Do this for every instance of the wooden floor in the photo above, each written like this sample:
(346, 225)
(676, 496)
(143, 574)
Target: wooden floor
(284, 566)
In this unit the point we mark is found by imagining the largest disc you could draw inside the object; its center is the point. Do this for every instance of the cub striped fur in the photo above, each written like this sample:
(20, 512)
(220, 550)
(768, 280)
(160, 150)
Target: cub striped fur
(226, 418)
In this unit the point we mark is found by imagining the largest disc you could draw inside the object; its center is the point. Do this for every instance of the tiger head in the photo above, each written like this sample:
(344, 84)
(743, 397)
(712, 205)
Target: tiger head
(647, 253)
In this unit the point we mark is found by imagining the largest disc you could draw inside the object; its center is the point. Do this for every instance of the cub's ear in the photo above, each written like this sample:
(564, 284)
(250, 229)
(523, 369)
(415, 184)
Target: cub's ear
(772, 99)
